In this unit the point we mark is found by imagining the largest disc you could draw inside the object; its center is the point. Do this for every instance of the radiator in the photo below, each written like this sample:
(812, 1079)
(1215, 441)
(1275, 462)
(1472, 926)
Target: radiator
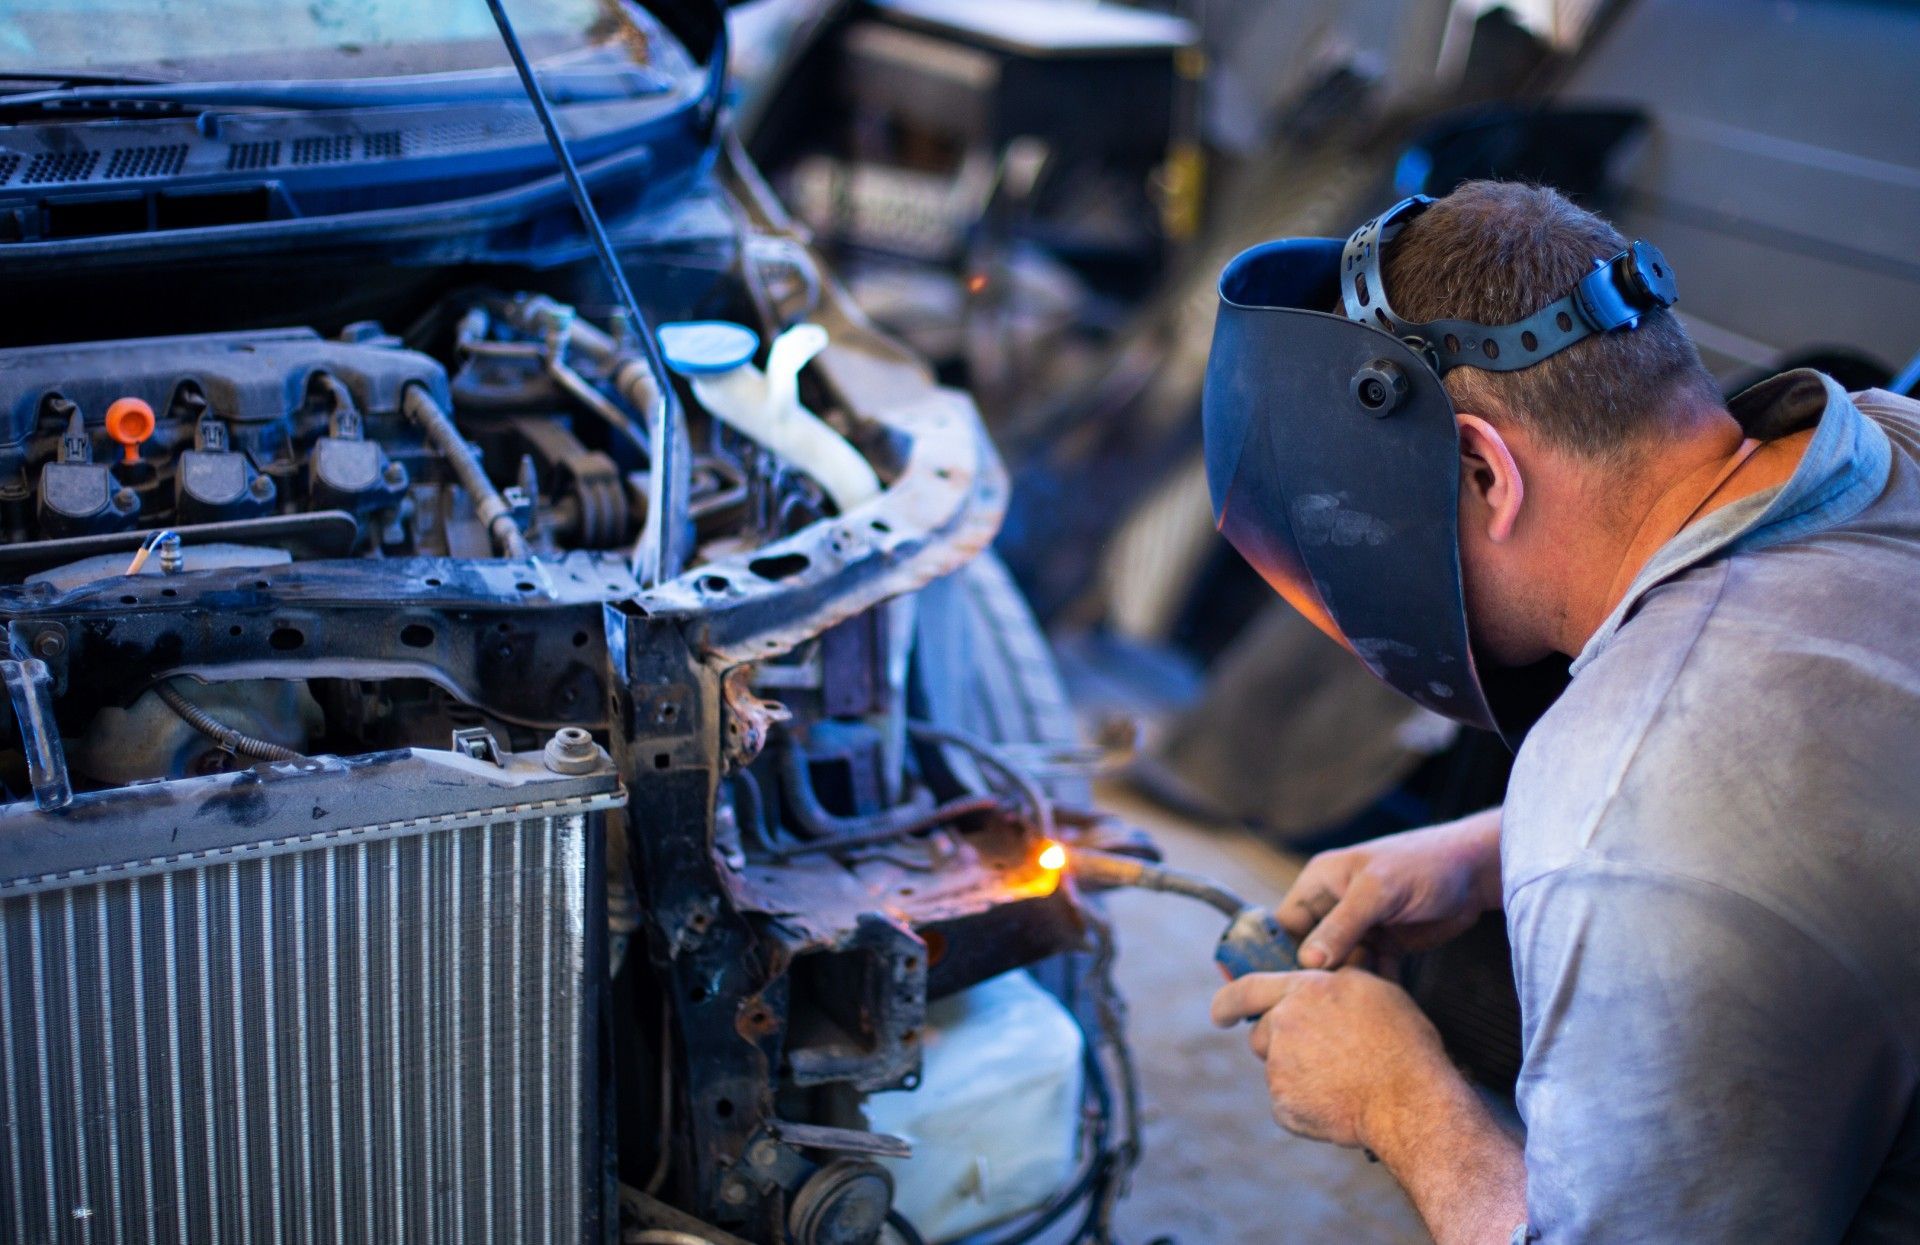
(327, 1001)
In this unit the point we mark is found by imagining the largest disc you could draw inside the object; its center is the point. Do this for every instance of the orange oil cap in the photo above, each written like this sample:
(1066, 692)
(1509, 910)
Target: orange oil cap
(130, 422)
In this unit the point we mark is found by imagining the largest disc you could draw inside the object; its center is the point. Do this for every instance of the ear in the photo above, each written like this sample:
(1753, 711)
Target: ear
(1490, 476)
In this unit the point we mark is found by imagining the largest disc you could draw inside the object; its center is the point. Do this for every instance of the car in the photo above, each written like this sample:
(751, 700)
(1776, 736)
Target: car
(490, 760)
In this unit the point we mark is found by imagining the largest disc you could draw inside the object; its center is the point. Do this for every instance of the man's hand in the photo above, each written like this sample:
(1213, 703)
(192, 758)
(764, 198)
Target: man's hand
(1351, 1060)
(1345, 1052)
(1404, 892)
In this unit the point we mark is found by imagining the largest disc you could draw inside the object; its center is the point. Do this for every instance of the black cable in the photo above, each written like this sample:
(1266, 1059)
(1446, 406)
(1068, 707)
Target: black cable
(904, 1229)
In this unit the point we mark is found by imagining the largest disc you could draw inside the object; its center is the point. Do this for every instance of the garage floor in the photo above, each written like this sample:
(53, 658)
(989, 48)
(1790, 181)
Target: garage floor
(1217, 1170)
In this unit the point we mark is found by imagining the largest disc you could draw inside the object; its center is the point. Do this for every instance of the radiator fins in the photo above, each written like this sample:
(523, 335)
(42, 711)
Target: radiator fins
(378, 1038)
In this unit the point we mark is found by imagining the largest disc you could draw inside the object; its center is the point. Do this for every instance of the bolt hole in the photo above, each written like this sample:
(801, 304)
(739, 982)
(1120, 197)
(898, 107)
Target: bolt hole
(663, 760)
(169, 592)
(504, 628)
(262, 584)
(579, 639)
(723, 1107)
(235, 629)
(287, 639)
(129, 600)
(906, 891)
(416, 635)
(778, 566)
(714, 583)
(431, 581)
(881, 525)
(524, 586)
(699, 994)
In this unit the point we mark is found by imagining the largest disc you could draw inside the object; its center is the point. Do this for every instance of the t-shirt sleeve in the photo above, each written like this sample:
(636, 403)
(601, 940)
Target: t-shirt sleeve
(1696, 1068)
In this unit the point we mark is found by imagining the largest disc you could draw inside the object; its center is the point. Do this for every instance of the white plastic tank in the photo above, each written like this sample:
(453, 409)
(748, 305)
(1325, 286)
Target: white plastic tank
(995, 1124)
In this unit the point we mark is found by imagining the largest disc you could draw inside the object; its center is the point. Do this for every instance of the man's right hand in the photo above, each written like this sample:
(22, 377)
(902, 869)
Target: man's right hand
(1405, 892)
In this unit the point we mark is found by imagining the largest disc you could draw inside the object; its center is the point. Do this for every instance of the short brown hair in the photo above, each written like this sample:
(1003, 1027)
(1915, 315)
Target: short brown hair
(1496, 252)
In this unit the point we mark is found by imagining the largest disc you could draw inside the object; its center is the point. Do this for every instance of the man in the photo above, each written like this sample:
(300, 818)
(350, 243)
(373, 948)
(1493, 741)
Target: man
(1709, 856)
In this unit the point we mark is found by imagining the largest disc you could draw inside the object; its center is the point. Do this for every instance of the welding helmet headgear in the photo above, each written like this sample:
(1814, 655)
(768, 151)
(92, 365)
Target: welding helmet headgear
(1333, 455)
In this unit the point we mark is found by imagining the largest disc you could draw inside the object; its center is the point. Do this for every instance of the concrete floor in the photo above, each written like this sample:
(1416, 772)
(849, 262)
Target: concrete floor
(1216, 1169)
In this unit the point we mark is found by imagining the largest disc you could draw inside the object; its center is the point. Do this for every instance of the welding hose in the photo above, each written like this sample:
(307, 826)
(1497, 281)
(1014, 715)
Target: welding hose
(444, 437)
(228, 738)
(1112, 869)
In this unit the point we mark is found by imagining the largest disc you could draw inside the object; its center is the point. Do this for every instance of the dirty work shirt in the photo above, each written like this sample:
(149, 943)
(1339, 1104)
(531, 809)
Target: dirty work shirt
(1711, 858)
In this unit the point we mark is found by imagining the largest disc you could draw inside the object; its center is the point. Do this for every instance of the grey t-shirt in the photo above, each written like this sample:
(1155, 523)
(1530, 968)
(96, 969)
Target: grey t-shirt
(1711, 858)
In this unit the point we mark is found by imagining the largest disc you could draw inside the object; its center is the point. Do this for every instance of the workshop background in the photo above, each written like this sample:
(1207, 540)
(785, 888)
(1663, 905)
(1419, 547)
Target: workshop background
(1038, 196)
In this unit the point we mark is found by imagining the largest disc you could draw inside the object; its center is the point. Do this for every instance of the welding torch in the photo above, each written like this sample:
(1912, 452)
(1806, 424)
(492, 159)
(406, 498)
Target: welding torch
(1253, 941)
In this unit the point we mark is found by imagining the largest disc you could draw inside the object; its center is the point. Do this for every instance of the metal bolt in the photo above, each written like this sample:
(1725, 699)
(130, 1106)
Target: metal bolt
(262, 486)
(763, 1153)
(125, 499)
(395, 475)
(50, 643)
(172, 558)
(733, 1193)
(572, 751)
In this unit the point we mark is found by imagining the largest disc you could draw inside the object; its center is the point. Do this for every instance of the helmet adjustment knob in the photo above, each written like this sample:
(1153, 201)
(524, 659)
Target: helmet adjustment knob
(1379, 386)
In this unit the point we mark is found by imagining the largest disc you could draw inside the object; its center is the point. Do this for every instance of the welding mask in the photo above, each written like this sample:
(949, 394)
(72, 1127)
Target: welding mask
(1334, 460)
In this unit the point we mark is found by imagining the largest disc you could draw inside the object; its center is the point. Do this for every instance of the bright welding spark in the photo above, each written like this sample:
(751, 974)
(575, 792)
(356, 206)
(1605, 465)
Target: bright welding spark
(1053, 857)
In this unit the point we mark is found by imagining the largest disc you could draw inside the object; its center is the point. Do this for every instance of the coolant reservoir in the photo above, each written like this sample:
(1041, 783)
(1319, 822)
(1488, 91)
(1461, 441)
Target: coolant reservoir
(995, 1123)
(716, 357)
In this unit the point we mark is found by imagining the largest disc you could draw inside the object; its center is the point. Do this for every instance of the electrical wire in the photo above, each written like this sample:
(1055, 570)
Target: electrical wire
(229, 739)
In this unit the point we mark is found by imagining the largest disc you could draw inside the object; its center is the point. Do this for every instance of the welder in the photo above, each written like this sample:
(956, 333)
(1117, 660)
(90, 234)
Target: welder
(1474, 444)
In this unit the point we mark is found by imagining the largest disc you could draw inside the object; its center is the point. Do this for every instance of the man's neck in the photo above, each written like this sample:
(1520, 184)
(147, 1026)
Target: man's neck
(1633, 510)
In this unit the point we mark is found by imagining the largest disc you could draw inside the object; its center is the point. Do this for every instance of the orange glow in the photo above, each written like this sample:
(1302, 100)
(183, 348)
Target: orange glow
(1053, 857)
(976, 283)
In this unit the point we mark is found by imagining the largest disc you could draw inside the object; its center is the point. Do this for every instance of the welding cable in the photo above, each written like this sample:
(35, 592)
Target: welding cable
(992, 757)
(903, 1228)
(228, 738)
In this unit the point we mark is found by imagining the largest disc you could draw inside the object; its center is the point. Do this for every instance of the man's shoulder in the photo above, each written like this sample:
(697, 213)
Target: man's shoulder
(1738, 735)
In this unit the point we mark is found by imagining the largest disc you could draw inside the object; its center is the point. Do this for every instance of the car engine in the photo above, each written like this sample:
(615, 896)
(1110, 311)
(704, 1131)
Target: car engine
(464, 788)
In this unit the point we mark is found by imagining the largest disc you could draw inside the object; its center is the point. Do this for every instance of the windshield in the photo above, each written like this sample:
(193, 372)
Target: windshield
(223, 40)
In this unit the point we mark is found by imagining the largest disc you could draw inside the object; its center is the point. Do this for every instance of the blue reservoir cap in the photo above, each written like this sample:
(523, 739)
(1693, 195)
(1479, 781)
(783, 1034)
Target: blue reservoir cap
(704, 347)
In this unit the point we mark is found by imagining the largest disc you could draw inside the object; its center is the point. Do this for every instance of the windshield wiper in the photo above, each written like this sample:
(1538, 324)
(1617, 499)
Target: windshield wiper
(575, 84)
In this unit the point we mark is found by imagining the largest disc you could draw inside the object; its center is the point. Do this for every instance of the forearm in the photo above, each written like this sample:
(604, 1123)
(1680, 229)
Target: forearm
(1463, 1172)
(1480, 833)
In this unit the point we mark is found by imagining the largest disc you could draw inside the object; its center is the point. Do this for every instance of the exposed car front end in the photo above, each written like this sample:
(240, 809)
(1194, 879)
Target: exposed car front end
(462, 787)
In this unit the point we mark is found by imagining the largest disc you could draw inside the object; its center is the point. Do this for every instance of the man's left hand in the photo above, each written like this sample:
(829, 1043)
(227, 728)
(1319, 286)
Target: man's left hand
(1344, 1050)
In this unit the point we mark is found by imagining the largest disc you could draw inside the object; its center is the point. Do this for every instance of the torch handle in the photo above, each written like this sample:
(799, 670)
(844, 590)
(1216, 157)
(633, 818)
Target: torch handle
(1255, 943)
